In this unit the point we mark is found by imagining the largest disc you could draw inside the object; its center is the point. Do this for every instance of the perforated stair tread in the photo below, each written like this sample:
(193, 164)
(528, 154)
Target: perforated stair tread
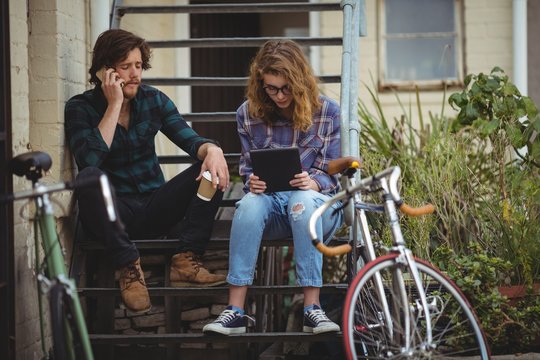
(213, 338)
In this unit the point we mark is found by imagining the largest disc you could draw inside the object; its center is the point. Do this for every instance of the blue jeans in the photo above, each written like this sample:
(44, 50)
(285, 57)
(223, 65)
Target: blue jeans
(275, 216)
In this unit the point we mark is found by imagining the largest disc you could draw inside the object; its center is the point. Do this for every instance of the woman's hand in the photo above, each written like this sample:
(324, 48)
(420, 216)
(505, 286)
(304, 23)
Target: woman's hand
(256, 185)
(304, 182)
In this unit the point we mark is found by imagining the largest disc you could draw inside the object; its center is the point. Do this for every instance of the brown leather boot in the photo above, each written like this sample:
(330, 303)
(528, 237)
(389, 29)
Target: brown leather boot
(133, 288)
(187, 270)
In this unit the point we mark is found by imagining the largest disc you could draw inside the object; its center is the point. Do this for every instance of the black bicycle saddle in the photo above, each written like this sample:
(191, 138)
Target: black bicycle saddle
(32, 165)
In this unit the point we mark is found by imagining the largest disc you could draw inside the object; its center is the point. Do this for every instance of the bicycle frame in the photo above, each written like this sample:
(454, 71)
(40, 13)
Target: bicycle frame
(67, 318)
(56, 269)
(385, 182)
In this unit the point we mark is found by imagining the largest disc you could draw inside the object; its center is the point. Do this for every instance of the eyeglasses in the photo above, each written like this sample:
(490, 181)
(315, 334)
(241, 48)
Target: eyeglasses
(273, 90)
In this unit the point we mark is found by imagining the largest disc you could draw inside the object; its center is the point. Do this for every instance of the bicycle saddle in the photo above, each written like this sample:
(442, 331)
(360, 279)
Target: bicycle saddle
(32, 165)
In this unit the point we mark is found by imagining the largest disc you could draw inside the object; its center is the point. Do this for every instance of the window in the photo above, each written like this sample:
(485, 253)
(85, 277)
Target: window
(420, 43)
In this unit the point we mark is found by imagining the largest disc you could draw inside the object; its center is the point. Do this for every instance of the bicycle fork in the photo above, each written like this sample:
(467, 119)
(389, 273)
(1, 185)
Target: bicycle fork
(408, 261)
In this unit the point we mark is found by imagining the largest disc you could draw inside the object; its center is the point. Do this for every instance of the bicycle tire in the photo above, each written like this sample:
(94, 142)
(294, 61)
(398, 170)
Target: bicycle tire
(455, 327)
(64, 330)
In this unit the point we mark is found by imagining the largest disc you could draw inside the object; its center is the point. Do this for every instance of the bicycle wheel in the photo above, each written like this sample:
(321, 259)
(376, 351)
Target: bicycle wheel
(375, 323)
(64, 329)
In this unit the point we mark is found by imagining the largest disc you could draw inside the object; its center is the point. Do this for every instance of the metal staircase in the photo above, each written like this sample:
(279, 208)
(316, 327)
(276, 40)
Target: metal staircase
(101, 295)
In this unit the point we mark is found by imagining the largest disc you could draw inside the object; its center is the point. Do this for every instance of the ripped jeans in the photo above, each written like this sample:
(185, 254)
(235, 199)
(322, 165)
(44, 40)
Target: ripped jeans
(275, 216)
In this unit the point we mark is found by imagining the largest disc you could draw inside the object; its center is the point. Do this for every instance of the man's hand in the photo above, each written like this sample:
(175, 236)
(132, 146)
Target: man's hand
(214, 161)
(111, 84)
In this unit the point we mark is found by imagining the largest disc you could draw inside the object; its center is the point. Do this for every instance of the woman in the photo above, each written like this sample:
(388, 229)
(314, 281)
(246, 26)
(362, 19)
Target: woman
(283, 109)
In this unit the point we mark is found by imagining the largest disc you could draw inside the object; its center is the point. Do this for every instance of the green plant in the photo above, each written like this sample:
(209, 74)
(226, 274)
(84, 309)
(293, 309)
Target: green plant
(493, 111)
(454, 166)
(486, 229)
(508, 326)
(494, 106)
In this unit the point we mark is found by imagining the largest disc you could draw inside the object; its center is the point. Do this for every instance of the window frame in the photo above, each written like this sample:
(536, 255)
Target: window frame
(437, 84)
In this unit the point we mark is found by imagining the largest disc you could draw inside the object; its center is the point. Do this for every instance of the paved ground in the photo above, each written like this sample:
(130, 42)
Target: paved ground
(527, 356)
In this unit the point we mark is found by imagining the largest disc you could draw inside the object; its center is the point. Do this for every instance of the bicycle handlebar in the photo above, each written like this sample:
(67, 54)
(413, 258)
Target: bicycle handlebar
(342, 164)
(41, 189)
(418, 211)
(393, 174)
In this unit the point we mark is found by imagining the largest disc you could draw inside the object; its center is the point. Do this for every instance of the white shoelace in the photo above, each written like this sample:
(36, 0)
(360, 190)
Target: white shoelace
(318, 316)
(226, 316)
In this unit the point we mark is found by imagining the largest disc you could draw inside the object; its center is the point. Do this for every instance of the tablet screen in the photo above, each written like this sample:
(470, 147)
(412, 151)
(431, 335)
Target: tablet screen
(276, 167)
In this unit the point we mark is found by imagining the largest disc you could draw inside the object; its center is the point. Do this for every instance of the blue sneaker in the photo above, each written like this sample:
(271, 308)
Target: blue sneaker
(228, 322)
(316, 321)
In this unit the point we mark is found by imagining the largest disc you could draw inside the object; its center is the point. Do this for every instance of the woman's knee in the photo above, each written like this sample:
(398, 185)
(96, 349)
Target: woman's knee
(302, 202)
(251, 206)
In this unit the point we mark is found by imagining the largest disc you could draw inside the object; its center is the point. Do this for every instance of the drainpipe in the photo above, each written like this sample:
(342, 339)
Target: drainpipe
(99, 18)
(519, 31)
(315, 31)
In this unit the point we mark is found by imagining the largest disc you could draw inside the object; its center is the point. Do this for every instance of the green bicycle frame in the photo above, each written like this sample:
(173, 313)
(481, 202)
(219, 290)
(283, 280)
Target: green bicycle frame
(56, 269)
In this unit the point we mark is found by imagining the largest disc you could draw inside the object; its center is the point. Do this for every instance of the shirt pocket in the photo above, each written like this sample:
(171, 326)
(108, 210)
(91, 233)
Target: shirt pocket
(260, 139)
(146, 131)
(311, 142)
(143, 141)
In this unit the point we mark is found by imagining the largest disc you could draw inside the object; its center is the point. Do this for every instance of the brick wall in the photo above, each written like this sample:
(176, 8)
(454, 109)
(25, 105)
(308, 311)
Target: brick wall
(48, 61)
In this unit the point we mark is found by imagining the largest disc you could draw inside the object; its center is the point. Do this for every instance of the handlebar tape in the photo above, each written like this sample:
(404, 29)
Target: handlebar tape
(412, 211)
(332, 250)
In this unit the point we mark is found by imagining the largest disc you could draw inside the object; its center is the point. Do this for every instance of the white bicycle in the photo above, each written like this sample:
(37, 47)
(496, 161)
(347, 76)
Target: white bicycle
(397, 306)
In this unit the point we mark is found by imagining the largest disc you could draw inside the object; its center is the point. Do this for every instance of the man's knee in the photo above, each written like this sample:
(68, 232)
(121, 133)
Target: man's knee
(89, 172)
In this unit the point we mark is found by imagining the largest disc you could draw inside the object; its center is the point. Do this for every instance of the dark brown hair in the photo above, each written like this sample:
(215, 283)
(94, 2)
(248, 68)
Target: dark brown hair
(113, 46)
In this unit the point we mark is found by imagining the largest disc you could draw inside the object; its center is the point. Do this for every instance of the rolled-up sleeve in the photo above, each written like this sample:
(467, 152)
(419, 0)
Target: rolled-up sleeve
(330, 150)
(83, 137)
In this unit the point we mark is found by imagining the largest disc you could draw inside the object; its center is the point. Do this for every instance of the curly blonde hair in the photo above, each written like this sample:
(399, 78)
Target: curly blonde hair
(285, 58)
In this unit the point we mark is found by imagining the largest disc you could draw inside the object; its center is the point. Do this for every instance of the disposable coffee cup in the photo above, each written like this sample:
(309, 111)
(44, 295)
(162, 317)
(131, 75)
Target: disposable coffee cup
(206, 189)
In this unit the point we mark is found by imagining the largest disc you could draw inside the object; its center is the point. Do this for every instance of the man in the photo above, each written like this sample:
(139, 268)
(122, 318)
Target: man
(111, 129)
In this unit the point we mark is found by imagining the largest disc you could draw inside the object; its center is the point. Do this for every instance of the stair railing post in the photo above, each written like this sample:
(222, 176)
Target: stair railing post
(349, 77)
(115, 15)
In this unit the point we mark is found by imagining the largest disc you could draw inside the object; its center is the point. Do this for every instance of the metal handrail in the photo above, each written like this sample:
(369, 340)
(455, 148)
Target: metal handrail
(229, 8)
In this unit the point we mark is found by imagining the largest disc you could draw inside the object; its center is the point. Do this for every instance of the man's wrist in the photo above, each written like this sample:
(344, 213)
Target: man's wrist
(206, 147)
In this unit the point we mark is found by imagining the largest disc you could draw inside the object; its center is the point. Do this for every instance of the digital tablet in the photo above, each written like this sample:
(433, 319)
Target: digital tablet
(276, 167)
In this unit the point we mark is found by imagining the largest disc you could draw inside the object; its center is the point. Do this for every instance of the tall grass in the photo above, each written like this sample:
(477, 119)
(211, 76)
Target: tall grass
(457, 172)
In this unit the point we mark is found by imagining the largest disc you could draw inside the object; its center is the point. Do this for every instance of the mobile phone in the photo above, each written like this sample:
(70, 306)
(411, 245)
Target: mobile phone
(101, 74)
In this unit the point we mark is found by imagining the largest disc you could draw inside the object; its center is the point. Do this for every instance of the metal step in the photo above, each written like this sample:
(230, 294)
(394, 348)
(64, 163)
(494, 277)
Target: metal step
(203, 338)
(213, 291)
(121, 10)
(218, 81)
(232, 158)
(218, 240)
(242, 42)
(212, 117)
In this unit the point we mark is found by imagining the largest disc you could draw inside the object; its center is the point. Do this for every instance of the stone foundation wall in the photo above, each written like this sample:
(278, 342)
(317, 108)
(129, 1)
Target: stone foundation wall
(193, 313)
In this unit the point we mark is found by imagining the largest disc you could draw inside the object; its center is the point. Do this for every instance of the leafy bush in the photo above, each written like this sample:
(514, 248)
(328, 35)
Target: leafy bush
(453, 164)
(509, 327)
